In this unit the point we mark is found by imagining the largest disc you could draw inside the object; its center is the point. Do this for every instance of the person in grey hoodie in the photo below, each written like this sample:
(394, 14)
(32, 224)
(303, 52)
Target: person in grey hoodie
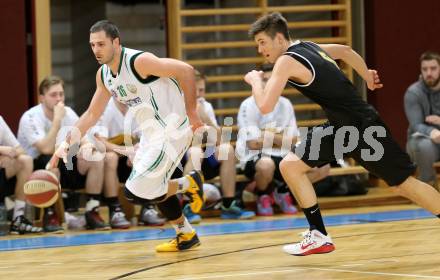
(422, 108)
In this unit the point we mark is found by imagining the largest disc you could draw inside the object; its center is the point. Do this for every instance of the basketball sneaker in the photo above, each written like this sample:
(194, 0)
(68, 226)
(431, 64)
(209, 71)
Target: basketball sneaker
(314, 242)
(94, 220)
(118, 220)
(235, 212)
(264, 205)
(192, 217)
(150, 217)
(285, 202)
(195, 190)
(183, 241)
(51, 222)
(21, 225)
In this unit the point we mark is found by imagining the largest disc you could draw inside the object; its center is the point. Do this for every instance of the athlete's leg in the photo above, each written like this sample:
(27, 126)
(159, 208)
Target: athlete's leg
(315, 240)
(294, 172)
(420, 193)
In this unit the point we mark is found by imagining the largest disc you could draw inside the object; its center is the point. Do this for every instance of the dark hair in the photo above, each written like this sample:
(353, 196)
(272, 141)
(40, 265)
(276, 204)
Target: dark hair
(430, 55)
(266, 67)
(271, 24)
(48, 82)
(199, 76)
(110, 29)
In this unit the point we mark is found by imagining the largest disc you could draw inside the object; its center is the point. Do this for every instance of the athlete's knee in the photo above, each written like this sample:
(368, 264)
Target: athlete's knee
(296, 167)
(265, 165)
(141, 200)
(111, 160)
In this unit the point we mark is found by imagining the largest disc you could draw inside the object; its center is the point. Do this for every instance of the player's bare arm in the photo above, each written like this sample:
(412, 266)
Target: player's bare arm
(267, 96)
(148, 64)
(96, 107)
(88, 119)
(348, 55)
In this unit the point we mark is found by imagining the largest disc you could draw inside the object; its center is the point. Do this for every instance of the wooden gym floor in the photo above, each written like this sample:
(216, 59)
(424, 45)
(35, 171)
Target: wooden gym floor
(383, 242)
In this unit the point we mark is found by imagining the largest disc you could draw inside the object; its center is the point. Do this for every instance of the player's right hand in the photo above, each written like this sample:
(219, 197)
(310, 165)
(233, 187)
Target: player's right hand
(253, 76)
(59, 111)
(373, 81)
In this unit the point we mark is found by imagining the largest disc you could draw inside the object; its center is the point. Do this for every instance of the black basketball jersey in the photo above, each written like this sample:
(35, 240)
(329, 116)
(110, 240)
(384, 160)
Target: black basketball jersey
(329, 87)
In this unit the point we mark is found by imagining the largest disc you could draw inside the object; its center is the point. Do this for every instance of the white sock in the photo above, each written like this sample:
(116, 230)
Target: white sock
(19, 208)
(92, 203)
(183, 184)
(184, 227)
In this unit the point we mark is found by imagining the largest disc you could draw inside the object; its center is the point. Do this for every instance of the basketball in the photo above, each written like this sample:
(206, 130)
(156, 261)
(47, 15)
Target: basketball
(42, 189)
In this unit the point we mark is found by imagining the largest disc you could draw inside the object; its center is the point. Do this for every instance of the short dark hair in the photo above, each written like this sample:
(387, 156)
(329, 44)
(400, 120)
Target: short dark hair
(271, 24)
(48, 82)
(430, 55)
(110, 29)
(199, 76)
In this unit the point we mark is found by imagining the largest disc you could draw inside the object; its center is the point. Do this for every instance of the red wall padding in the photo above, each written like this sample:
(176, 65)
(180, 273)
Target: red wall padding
(397, 32)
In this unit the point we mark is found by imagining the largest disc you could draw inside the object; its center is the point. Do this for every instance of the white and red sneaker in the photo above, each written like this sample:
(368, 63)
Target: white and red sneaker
(314, 242)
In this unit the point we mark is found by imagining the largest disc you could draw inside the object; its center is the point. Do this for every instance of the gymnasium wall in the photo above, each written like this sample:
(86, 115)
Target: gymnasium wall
(397, 32)
(13, 72)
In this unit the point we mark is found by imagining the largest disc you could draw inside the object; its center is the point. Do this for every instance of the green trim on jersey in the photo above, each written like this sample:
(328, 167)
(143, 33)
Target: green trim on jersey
(125, 63)
(158, 160)
(102, 75)
(152, 167)
(156, 109)
(184, 121)
(120, 60)
(177, 85)
(174, 165)
(148, 79)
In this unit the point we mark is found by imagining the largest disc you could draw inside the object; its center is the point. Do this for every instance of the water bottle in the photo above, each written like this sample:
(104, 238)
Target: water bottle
(4, 224)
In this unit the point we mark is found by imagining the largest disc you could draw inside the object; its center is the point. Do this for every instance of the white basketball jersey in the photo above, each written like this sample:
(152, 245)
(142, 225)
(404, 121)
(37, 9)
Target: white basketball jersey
(156, 102)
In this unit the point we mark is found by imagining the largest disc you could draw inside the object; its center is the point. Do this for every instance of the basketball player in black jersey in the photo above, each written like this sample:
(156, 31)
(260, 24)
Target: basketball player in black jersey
(311, 69)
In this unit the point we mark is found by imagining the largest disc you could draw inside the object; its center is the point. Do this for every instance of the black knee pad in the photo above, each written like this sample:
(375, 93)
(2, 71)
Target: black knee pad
(170, 208)
(139, 200)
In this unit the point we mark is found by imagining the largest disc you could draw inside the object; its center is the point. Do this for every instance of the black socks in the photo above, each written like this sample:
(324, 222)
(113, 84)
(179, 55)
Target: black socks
(313, 215)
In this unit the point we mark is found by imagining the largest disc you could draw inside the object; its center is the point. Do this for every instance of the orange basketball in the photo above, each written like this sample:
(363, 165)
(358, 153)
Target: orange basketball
(42, 189)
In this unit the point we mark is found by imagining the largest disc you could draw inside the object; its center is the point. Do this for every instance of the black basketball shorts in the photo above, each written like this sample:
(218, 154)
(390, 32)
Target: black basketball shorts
(375, 149)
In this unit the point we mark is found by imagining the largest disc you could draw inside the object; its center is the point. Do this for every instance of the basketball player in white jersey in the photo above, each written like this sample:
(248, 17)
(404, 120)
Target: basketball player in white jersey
(161, 93)
(109, 132)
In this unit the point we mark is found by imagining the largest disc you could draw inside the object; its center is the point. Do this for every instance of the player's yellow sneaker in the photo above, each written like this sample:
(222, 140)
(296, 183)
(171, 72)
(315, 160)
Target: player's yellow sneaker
(183, 241)
(195, 190)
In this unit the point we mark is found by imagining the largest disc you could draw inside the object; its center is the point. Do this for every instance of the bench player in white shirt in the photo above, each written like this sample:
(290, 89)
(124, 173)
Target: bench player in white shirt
(41, 129)
(15, 168)
(150, 86)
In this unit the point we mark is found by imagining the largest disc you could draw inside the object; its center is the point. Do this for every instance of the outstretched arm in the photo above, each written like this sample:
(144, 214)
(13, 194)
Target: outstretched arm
(352, 58)
(96, 107)
(87, 120)
(148, 64)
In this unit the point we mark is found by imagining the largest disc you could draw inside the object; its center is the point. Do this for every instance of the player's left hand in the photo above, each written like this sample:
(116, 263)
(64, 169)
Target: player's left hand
(373, 81)
(253, 76)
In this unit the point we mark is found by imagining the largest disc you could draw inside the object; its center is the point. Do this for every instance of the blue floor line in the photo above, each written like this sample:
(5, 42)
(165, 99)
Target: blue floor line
(203, 230)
